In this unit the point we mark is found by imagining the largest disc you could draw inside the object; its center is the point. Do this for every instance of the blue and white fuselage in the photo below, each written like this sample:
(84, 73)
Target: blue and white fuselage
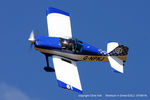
(69, 48)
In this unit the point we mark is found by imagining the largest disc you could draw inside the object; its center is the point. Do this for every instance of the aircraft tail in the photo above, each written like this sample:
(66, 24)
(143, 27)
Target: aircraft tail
(117, 56)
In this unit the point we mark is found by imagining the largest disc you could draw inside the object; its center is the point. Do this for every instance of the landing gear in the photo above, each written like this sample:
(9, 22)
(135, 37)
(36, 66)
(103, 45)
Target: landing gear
(48, 68)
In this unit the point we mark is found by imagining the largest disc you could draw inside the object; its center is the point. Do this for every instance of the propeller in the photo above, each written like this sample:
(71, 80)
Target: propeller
(31, 38)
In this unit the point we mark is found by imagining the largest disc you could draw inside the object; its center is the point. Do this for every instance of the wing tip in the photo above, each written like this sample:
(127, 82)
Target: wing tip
(55, 10)
(110, 41)
(69, 87)
(114, 70)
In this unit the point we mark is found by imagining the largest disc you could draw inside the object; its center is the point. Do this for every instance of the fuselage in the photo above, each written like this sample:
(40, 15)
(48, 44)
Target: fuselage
(70, 48)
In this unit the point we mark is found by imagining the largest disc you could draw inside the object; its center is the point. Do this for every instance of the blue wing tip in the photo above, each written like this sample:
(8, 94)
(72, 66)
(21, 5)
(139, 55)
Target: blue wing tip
(55, 10)
(114, 70)
(66, 86)
(110, 41)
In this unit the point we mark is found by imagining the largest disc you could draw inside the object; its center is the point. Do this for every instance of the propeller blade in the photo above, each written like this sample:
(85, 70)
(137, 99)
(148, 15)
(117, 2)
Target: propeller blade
(32, 37)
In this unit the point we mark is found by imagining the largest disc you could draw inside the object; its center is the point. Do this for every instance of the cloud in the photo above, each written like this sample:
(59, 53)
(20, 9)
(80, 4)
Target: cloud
(11, 93)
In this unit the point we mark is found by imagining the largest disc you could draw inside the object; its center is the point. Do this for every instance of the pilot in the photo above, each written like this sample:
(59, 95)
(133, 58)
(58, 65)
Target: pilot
(65, 43)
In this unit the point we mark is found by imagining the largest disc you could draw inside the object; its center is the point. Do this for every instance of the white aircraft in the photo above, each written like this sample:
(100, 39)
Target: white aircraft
(65, 50)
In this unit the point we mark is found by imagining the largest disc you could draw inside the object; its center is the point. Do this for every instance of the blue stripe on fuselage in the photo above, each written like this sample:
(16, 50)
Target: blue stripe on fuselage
(90, 50)
(47, 42)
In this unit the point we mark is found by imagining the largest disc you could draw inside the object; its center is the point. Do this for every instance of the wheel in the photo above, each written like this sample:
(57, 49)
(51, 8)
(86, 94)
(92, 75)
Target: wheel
(49, 69)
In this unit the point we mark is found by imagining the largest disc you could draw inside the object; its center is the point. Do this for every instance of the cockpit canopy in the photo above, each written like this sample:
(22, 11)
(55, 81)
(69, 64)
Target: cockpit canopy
(71, 44)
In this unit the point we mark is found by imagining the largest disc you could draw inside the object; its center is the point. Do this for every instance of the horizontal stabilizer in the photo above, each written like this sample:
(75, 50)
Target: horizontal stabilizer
(116, 64)
(111, 46)
(117, 55)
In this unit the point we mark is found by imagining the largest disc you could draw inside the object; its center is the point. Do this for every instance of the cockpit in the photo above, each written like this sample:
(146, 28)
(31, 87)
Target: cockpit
(71, 44)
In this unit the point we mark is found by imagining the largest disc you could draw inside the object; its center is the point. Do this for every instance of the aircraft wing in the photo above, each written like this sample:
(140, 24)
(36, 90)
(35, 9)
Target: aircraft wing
(58, 23)
(67, 73)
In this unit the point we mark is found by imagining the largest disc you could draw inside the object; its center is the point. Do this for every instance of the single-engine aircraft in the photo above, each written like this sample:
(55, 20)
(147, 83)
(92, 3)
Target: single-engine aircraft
(65, 50)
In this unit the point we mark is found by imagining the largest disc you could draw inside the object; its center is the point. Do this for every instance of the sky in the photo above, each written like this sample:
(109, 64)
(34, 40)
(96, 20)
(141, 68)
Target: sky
(93, 21)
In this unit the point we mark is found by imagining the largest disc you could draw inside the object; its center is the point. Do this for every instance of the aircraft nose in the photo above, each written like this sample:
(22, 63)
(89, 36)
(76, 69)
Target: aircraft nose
(32, 38)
